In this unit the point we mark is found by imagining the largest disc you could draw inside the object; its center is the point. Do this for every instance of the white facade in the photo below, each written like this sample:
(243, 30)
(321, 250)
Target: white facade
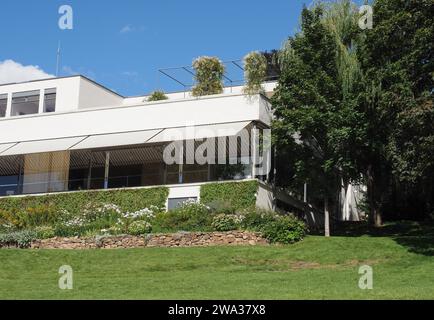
(94, 138)
(42, 152)
(85, 109)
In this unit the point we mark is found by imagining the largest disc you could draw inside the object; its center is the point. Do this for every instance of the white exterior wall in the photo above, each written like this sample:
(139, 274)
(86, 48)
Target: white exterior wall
(185, 191)
(181, 95)
(92, 95)
(265, 197)
(350, 201)
(67, 92)
(168, 114)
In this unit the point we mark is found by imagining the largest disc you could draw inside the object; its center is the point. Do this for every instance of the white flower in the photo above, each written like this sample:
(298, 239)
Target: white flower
(143, 213)
(75, 222)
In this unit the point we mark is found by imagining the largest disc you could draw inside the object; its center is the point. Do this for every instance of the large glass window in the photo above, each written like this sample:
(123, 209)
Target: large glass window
(24, 103)
(46, 172)
(50, 100)
(192, 173)
(80, 170)
(10, 173)
(3, 105)
(136, 167)
(172, 174)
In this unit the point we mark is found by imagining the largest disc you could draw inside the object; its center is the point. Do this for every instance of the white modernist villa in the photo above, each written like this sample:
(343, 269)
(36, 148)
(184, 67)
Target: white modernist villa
(70, 133)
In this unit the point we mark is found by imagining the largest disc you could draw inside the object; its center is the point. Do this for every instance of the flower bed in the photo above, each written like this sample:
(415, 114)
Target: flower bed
(98, 218)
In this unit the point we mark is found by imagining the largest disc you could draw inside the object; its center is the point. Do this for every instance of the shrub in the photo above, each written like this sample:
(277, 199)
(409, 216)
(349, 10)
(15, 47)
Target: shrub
(240, 195)
(209, 75)
(139, 227)
(61, 230)
(157, 96)
(130, 221)
(94, 216)
(8, 220)
(28, 217)
(21, 239)
(39, 215)
(100, 211)
(226, 222)
(255, 65)
(44, 232)
(255, 219)
(74, 203)
(284, 229)
(275, 228)
(221, 206)
(74, 214)
(190, 216)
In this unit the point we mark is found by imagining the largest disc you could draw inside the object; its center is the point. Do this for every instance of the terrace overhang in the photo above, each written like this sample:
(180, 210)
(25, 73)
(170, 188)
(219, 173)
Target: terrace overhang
(145, 123)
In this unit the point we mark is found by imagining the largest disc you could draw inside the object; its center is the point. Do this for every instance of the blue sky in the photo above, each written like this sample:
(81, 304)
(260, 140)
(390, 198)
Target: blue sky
(122, 44)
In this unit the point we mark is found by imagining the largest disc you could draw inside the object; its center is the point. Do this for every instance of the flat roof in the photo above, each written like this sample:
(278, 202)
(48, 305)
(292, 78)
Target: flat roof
(107, 89)
(64, 77)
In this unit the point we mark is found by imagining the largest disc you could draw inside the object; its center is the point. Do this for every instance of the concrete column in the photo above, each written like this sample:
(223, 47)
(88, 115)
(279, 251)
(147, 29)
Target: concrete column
(9, 105)
(107, 168)
(41, 101)
(254, 156)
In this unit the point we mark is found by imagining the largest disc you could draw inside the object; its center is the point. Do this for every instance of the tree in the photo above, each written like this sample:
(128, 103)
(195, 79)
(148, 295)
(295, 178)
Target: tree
(397, 102)
(309, 103)
(362, 103)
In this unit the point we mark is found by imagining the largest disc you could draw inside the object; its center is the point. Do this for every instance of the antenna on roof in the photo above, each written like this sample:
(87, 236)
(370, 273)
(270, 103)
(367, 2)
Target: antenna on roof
(58, 59)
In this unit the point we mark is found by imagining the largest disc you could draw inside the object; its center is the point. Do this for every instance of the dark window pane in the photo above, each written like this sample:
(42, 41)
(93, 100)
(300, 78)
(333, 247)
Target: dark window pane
(3, 105)
(50, 100)
(24, 103)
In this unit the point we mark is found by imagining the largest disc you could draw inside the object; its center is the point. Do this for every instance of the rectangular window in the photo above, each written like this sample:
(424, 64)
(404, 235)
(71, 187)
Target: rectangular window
(174, 203)
(3, 105)
(10, 175)
(46, 172)
(195, 173)
(50, 100)
(24, 103)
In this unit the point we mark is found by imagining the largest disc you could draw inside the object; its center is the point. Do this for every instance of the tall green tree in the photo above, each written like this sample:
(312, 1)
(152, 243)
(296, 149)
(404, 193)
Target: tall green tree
(397, 102)
(361, 103)
(309, 104)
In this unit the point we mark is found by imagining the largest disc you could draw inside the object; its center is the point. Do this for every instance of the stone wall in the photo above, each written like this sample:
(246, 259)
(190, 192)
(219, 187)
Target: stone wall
(180, 239)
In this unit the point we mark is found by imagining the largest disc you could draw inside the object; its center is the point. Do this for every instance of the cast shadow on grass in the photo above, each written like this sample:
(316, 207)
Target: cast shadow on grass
(417, 237)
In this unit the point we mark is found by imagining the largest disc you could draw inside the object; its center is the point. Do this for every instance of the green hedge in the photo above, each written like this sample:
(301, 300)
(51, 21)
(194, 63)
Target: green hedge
(240, 195)
(74, 202)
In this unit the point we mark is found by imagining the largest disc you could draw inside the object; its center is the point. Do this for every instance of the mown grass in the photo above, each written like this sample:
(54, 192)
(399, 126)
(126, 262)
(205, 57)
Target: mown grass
(316, 268)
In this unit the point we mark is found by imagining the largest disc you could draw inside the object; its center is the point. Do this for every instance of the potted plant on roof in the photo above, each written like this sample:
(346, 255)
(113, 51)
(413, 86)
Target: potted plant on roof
(208, 76)
(255, 72)
(157, 96)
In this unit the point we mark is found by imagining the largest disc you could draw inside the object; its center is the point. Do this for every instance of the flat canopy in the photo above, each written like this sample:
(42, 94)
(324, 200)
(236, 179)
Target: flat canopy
(40, 146)
(6, 146)
(115, 139)
(199, 132)
(123, 138)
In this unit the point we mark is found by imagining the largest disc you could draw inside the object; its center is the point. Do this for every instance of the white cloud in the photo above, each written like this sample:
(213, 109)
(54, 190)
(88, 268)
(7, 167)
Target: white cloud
(130, 28)
(127, 28)
(11, 71)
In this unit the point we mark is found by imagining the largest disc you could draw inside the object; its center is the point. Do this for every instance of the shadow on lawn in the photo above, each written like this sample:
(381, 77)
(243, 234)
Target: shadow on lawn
(417, 237)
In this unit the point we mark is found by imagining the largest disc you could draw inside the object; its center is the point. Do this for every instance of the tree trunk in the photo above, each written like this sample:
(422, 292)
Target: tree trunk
(326, 217)
(374, 211)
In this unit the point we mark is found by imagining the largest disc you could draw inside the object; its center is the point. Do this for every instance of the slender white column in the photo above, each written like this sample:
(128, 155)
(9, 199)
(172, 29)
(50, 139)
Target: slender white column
(107, 167)
(254, 156)
(41, 101)
(9, 105)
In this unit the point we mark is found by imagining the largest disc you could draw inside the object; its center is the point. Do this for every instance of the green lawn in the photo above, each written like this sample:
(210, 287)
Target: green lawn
(316, 268)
